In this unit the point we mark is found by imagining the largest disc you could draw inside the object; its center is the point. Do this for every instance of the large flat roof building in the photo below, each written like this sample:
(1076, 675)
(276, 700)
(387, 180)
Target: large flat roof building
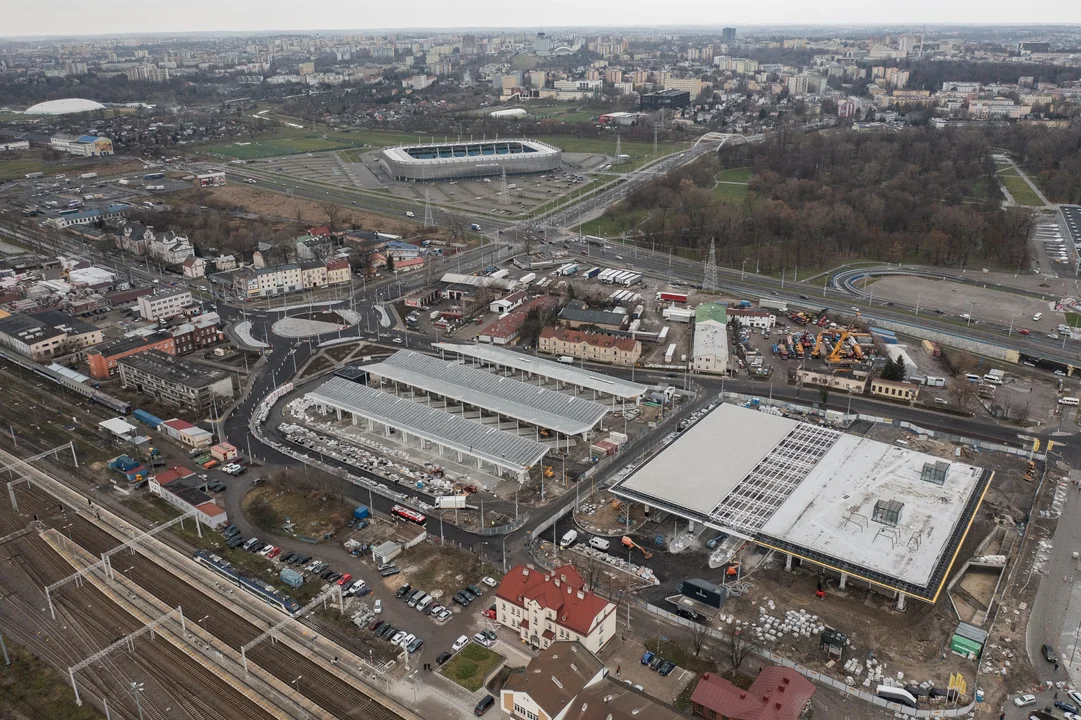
(489, 158)
(177, 382)
(498, 395)
(889, 516)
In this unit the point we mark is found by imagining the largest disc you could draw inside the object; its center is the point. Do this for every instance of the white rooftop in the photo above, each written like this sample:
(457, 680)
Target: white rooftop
(832, 509)
(561, 372)
(703, 465)
(118, 427)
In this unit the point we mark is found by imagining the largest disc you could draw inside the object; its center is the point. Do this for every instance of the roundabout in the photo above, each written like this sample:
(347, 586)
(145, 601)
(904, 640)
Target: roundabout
(311, 324)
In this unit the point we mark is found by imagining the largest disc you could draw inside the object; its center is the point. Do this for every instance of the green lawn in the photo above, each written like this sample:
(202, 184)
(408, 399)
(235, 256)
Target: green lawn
(14, 168)
(1020, 190)
(732, 194)
(470, 666)
(611, 225)
(1073, 319)
(735, 175)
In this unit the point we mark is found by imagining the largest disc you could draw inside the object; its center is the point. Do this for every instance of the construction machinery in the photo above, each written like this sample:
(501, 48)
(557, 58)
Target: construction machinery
(549, 472)
(631, 544)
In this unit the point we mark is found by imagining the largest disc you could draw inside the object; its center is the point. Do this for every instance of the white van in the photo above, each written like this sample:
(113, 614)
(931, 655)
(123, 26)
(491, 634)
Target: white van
(992, 379)
(572, 535)
(566, 359)
(973, 378)
(599, 544)
(1068, 401)
(1036, 317)
(409, 213)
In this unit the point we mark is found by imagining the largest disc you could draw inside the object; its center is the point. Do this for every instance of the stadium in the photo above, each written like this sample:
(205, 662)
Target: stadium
(469, 159)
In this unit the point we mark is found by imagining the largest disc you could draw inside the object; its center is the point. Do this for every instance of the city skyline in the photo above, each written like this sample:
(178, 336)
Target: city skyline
(53, 18)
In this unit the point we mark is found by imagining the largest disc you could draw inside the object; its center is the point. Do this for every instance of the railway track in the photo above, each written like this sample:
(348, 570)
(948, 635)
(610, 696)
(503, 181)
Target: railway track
(188, 688)
(321, 687)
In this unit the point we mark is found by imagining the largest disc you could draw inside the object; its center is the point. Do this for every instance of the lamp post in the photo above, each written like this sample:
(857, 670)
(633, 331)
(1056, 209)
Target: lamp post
(136, 689)
(918, 298)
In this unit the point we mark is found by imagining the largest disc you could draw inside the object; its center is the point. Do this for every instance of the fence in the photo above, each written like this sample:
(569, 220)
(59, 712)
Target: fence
(818, 677)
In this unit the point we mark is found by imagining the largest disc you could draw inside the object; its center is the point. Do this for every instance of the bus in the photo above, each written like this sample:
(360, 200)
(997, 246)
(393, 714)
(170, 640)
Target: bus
(154, 176)
(407, 514)
(69, 211)
(1068, 401)
(31, 176)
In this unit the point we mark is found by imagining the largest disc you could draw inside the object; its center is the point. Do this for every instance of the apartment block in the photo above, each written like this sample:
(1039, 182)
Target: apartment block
(176, 382)
(165, 306)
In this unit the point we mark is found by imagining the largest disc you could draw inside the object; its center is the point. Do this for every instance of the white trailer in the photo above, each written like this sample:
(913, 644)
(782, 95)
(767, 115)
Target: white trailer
(670, 354)
(768, 304)
(527, 278)
(499, 274)
(632, 279)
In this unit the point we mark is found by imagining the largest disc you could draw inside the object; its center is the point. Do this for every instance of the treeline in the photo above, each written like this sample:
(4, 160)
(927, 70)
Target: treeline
(1051, 156)
(113, 89)
(931, 74)
(817, 200)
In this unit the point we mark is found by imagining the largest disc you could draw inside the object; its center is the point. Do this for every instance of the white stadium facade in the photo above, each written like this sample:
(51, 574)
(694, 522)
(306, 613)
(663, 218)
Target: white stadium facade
(66, 106)
(487, 158)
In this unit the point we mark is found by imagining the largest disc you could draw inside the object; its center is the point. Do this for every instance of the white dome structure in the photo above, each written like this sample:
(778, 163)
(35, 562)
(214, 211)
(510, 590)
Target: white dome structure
(64, 107)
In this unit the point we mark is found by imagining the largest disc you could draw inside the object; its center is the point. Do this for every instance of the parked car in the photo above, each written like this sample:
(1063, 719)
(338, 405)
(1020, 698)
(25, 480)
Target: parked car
(344, 579)
(402, 591)
(374, 624)
(647, 658)
(1048, 653)
(489, 581)
(378, 608)
(477, 592)
(397, 637)
(442, 658)
(489, 633)
(274, 553)
(417, 644)
(468, 594)
(1066, 707)
(389, 571)
(482, 707)
(656, 663)
(489, 613)
(667, 667)
(1024, 700)
(482, 639)
(460, 599)
(405, 641)
(459, 643)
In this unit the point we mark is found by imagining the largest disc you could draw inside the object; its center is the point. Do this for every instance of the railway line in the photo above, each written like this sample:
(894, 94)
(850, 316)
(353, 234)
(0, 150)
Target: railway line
(321, 687)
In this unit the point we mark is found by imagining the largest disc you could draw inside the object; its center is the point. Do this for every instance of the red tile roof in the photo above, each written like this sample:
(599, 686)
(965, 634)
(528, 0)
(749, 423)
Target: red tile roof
(777, 693)
(593, 339)
(173, 473)
(337, 264)
(210, 509)
(178, 424)
(507, 327)
(562, 590)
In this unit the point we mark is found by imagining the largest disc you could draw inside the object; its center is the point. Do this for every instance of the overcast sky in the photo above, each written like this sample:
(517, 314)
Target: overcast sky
(118, 17)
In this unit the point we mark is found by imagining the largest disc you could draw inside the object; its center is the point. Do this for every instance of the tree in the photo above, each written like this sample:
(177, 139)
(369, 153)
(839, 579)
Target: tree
(699, 633)
(740, 644)
(963, 393)
(824, 393)
(390, 263)
(894, 370)
(333, 211)
(1022, 412)
(457, 225)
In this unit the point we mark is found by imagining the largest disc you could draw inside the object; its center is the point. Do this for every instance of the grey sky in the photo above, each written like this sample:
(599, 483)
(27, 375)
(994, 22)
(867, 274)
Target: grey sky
(117, 17)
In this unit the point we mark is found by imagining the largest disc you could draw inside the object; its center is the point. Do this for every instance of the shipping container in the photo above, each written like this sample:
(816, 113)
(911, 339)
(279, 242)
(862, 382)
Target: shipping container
(931, 348)
(147, 419)
(291, 578)
(592, 273)
(704, 592)
(933, 381)
(670, 353)
(362, 512)
(569, 270)
(663, 334)
(672, 297)
(779, 305)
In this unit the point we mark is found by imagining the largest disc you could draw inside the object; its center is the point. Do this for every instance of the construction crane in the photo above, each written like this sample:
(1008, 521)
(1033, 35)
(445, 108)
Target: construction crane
(630, 544)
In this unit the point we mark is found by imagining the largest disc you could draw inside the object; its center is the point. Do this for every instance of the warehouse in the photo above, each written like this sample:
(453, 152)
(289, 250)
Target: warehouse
(564, 376)
(433, 428)
(502, 397)
(469, 159)
(863, 511)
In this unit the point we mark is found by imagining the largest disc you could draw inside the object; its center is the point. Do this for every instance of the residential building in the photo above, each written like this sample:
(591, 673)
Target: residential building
(595, 347)
(164, 306)
(199, 332)
(545, 607)
(224, 263)
(710, 350)
(102, 361)
(612, 699)
(83, 145)
(506, 329)
(169, 248)
(778, 693)
(48, 334)
(177, 382)
(894, 390)
(268, 281)
(997, 108)
(691, 86)
(194, 267)
(551, 682)
(337, 272)
(184, 432)
(313, 274)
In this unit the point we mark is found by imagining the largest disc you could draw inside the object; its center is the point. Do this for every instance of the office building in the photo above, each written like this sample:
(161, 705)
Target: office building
(666, 99)
(48, 334)
(728, 35)
(164, 306)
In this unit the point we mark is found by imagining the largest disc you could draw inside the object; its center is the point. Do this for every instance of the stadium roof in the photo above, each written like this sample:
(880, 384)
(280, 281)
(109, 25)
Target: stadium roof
(549, 369)
(855, 505)
(512, 398)
(64, 107)
(468, 436)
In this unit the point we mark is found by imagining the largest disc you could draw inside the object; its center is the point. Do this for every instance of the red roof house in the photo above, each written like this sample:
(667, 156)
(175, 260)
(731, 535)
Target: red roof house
(778, 693)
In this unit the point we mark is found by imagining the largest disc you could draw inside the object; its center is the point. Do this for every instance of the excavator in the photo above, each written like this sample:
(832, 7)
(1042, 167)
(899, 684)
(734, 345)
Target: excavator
(628, 543)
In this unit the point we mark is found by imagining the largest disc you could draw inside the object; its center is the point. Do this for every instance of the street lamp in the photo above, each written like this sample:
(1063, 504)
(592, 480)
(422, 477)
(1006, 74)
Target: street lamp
(918, 298)
(505, 553)
(296, 682)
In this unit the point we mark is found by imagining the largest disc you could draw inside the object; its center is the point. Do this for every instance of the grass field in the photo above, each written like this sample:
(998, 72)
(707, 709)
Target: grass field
(610, 226)
(29, 688)
(735, 175)
(1020, 189)
(732, 194)
(470, 666)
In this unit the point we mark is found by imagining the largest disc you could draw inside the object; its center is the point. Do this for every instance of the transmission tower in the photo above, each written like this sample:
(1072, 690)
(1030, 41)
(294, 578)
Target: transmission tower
(504, 192)
(709, 282)
(429, 221)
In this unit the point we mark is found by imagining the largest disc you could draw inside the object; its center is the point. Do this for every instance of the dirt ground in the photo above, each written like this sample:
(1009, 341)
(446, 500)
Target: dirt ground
(310, 510)
(440, 571)
(276, 205)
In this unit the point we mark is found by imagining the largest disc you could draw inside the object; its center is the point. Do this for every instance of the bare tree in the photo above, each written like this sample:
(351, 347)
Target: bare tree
(1022, 412)
(457, 225)
(963, 393)
(738, 647)
(699, 633)
(333, 211)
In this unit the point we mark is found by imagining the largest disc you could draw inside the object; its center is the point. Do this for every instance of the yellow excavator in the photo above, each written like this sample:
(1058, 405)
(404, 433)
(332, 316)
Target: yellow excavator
(628, 543)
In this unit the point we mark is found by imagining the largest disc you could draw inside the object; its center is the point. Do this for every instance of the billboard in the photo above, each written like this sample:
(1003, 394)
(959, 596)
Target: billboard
(213, 179)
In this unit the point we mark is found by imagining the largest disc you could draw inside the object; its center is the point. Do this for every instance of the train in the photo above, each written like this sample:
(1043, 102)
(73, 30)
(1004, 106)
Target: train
(88, 391)
(255, 587)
